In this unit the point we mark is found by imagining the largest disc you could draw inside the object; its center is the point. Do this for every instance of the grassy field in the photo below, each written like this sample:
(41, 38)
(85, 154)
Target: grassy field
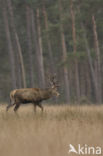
(50, 133)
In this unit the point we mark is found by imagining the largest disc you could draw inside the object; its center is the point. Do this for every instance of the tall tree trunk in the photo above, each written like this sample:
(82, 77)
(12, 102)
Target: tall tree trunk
(82, 78)
(91, 64)
(39, 53)
(64, 57)
(36, 46)
(88, 82)
(98, 58)
(29, 42)
(95, 83)
(17, 41)
(10, 49)
(18, 70)
(51, 65)
(75, 50)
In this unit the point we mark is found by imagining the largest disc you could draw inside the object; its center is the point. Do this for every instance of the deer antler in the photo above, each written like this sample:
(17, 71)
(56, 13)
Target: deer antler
(53, 80)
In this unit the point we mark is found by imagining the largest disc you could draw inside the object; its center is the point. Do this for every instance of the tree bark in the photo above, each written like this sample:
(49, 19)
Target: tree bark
(17, 41)
(91, 64)
(51, 65)
(98, 61)
(64, 57)
(40, 51)
(88, 83)
(95, 83)
(82, 78)
(10, 48)
(75, 50)
(29, 42)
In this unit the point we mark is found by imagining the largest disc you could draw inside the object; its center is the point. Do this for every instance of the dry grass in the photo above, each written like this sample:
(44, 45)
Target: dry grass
(50, 133)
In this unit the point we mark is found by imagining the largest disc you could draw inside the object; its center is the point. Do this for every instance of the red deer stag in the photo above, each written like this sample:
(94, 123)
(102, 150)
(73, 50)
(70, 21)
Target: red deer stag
(32, 95)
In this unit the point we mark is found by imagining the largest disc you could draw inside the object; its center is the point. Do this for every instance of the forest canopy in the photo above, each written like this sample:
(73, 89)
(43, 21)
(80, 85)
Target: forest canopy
(41, 37)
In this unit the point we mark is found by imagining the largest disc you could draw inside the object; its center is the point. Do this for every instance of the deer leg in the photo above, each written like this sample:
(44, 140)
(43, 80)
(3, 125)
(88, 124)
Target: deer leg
(40, 105)
(10, 105)
(16, 107)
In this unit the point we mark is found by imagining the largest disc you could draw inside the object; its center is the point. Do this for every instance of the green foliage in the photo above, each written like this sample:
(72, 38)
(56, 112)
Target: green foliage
(87, 9)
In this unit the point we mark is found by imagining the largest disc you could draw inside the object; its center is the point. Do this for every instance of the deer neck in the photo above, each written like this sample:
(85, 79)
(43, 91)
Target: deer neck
(47, 93)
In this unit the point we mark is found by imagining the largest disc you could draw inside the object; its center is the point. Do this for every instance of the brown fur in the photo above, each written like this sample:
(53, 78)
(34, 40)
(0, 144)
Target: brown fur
(31, 95)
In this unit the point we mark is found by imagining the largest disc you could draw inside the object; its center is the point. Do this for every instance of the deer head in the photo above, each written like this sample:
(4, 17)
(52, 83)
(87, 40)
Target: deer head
(54, 85)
